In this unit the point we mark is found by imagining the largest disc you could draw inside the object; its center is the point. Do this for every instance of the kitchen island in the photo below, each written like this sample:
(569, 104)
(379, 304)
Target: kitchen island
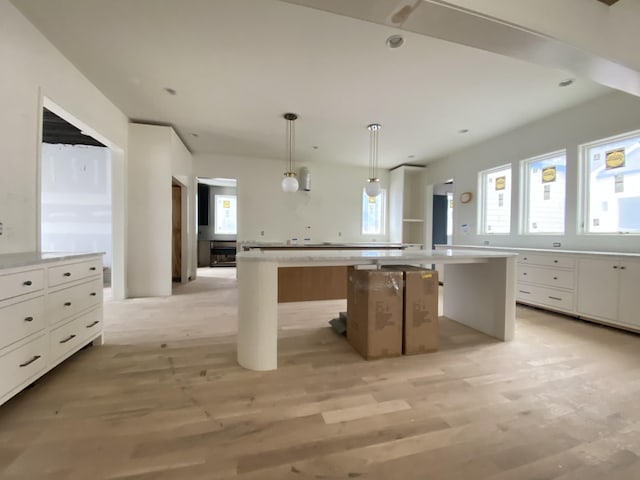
(479, 293)
(327, 282)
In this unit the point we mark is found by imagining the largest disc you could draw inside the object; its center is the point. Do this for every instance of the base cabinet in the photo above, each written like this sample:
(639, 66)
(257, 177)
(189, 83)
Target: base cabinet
(48, 311)
(608, 290)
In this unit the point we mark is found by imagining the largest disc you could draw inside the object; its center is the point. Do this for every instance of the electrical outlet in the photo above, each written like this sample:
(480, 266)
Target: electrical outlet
(486, 242)
(557, 244)
(262, 233)
(339, 234)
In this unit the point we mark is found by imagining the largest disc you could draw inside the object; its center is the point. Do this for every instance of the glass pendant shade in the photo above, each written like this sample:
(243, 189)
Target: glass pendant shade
(290, 182)
(373, 187)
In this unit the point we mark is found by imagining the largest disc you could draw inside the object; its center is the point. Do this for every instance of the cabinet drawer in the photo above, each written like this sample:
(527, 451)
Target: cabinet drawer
(18, 366)
(64, 339)
(74, 271)
(19, 283)
(20, 320)
(544, 296)
(551, 277)
(70, 301)
(547, 260)
(90, 324)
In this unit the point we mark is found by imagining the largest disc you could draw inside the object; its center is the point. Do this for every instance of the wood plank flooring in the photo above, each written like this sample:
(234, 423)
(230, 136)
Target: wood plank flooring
(164, 399)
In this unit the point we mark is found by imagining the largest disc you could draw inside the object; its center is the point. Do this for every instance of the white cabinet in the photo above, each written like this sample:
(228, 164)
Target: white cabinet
(548, 280)
(608, 290)
(407, 205)
(50, 307)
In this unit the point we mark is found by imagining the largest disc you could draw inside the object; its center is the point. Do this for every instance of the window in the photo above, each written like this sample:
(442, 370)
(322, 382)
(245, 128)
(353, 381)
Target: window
(495, 207)
(612, 185)
(373, 213)
(544, 181)
(226, 209)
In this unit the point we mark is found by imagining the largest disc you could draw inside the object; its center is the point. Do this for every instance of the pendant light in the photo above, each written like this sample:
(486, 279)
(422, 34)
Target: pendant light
(290, 182)
(373, 182)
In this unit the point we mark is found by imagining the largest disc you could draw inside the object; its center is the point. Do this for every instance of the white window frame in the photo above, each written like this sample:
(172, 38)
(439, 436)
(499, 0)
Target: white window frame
(383, 209)
(482, 185)
(584, 185)
(525, 196)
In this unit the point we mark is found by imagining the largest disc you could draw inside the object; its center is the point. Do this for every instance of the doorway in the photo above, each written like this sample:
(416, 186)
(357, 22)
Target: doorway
(217, 222)
(75, 191)
(176, 232)
(442, 219)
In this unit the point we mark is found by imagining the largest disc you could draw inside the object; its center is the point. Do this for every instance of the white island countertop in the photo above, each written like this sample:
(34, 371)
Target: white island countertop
(371, 257)
(24, 259)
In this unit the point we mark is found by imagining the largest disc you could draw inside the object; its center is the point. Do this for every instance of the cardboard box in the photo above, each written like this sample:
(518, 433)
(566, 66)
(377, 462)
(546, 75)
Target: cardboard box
(374, 312)
(421, 328)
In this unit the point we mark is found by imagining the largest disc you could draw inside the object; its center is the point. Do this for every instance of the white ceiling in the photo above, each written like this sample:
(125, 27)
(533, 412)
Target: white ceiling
(238, 65)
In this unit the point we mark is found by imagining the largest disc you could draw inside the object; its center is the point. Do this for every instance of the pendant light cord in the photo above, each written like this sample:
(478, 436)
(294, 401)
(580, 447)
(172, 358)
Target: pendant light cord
(373, 149)
(291, 136)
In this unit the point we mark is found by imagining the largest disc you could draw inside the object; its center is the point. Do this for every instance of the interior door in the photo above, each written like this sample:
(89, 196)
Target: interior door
(176, 237)
(439, 232)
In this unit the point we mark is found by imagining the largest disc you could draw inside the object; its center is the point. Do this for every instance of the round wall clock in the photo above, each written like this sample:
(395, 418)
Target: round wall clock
(465, 197)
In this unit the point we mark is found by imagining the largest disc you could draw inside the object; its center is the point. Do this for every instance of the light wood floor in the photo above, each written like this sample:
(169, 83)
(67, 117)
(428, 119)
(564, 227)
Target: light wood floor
(164, 399)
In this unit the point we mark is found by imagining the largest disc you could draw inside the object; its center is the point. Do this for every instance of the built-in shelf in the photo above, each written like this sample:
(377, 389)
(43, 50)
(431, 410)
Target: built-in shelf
(413, 220)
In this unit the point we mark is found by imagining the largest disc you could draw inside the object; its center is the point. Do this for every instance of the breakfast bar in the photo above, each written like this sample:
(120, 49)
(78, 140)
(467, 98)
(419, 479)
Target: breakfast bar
(479, 291)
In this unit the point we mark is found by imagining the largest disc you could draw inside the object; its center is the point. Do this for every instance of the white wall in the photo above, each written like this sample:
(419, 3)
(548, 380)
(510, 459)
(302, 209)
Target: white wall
(182, 170)
(333, 205)
(76, 199)
(604, 117)
(34, 69)
(156, 155)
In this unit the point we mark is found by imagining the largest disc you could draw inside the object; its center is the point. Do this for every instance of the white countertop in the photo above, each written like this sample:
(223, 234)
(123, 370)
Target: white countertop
(24, 259)
(327, 245)
(541, 250)
(373, 257)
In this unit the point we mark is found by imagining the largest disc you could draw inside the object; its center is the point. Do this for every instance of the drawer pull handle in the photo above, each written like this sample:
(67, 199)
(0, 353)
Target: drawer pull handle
(555, 261)
(29, 362)
(93, 269)
(623, 268)
(67, 274)
(555, 278)
(28, 283)
(522, 291)
(524, 258)
(93, 294)
(615, 266)
(93, 324)
(524, 273)
(68, 339)
(28, 319)
(555, 298)
(67, 304)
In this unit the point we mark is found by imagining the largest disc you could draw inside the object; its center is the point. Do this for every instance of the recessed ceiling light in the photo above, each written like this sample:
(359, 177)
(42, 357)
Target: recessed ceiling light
(464, 130)
(170, 91)
(566, 83)
(395, 41)
(195, 135)
(411, 156)
(315, 147)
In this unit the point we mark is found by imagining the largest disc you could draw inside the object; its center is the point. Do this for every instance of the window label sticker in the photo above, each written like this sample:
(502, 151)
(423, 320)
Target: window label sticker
(547, 192)
(615, 158)
(619, 184)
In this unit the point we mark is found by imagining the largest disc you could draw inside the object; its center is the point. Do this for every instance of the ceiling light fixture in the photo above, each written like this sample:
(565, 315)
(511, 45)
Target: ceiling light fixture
(464, 130)
(566, 83)
(373, 182)
(170, 91)
(290, 182)
(395, 41)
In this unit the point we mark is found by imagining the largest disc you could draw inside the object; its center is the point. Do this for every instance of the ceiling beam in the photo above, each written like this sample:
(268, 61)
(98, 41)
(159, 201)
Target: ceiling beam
(440, 19)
